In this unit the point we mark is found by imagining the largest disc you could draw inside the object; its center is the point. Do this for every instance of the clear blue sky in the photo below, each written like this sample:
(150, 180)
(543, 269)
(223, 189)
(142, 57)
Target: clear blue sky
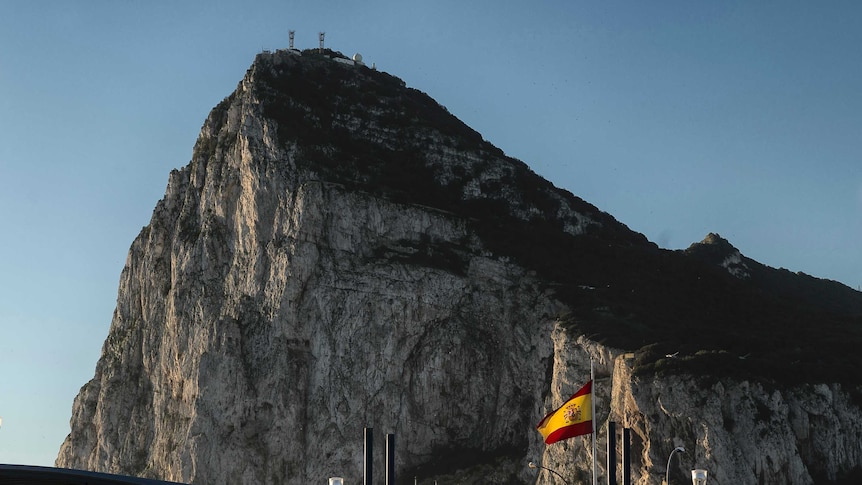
(679, 118)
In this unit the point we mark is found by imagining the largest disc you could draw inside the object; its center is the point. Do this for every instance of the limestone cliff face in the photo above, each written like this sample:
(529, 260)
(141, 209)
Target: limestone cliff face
(292, 289)
(740, 431)
(266, 316)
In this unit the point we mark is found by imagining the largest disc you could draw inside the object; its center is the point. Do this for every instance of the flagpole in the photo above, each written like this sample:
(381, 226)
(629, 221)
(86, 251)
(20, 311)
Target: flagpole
(593, 416)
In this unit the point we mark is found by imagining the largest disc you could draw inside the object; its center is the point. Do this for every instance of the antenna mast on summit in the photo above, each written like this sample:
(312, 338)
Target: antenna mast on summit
(290, 36)
(321, 40)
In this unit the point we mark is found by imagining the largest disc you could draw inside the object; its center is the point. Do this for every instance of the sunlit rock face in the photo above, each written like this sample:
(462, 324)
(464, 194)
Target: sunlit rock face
(740, 431)
(342, 253)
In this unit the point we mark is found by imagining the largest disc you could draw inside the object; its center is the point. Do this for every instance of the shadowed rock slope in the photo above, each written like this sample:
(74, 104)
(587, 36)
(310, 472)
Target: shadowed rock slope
(342, 252)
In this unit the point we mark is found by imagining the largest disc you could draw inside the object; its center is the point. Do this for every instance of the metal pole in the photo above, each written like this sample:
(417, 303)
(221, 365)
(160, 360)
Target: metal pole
(612, 453)
(627, 457)
(390, 459)
(369, 455)
(593, 416)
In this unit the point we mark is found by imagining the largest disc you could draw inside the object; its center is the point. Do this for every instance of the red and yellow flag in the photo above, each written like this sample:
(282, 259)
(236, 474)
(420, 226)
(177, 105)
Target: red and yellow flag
(573, 418)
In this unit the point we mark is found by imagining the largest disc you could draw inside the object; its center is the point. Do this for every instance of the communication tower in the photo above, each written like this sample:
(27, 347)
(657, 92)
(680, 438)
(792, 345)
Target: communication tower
(290, 36)
(321, 40)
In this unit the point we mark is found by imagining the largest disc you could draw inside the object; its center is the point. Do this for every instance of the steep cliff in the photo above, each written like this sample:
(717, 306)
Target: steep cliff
(342, 252)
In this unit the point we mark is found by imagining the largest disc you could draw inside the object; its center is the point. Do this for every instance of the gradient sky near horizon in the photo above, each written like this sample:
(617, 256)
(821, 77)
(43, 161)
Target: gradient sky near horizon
(679, 118)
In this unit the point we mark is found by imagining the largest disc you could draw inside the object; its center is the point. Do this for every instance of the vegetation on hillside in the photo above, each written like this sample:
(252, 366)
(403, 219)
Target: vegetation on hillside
(622, 290)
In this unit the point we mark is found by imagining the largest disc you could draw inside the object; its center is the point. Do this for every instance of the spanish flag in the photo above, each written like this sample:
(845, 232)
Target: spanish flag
(573, 418)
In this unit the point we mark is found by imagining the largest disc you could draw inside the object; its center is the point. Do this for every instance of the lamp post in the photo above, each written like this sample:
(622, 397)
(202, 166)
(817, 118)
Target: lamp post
(667, 470)
(555, 472)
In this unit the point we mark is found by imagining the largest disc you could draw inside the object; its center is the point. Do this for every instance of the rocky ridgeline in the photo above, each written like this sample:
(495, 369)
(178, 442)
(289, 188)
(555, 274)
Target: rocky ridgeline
(342, 253)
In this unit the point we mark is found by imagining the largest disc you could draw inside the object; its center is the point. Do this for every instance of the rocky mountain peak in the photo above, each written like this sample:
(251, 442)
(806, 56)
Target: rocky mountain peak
(715, 239)
(342, 252)
(716, 250)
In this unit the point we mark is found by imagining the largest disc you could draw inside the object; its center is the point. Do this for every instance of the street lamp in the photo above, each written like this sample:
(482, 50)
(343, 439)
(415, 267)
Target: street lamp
(667, 470)
(698, 477)
(555, 472)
